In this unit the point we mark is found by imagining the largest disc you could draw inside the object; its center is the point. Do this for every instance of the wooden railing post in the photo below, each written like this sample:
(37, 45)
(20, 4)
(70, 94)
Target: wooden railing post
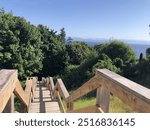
(131, 93)
(9, 108)
(102, 99)
(69, 106)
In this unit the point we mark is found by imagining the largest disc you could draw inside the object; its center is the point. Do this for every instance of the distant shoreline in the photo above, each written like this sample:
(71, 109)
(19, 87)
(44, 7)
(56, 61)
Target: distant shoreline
(137, 45)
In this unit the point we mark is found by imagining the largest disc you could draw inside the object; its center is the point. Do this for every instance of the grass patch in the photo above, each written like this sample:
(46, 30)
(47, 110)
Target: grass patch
(84, 102)
(116, 105)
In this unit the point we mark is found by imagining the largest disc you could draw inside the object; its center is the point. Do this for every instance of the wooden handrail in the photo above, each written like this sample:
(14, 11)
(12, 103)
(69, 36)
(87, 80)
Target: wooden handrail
(131, 93)
(61, 102)
(106, 82)
(89, 86)
(19, 92)
(50, 85)
(10, 84)
(62, 89)
(8, 79)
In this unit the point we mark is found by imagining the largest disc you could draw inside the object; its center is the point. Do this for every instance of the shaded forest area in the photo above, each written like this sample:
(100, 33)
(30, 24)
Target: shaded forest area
(41, 51)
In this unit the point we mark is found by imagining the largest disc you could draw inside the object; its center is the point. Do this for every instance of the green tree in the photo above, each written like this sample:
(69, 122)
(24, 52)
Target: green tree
(20, 44)
(76, 75)
(118, 49)
(148, 52)
(118, 62)
(141, 58)
(69, 40)
(54, 51)
(105, 62)
(100, 47)
(78, 52)
(62, 35)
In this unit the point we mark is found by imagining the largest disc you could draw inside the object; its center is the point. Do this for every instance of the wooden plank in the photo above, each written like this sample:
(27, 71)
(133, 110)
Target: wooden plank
(52, 83)
(89, 86)
(61, 103)
(89, 109)
(42, 102)
(34, 84)
(102, 99)
(99, 110)
(50, 107)
(10, 105)
(44, 80)
(19, 92)
(28, 90)
(62, 89)
(70, 106)
(131, 93)
(8, 79)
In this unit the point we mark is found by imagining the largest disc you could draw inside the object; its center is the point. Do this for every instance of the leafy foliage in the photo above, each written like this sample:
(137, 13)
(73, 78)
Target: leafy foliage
(80, 74)
(148, 52)
(117, 49)
(78, 52)
(105, 62)
(19, 45)
(54, 51)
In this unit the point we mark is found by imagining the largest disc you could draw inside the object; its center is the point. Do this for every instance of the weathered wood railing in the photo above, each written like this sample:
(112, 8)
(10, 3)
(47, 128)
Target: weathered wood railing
(10, 86)
(106, 82)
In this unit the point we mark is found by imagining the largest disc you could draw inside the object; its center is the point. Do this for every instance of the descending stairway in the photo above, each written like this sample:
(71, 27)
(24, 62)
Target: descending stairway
(47, 97)
(42, 102)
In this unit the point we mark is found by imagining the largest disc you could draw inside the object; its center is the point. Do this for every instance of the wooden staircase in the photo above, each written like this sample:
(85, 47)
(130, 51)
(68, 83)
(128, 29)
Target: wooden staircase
(42, 102)
(45, 97)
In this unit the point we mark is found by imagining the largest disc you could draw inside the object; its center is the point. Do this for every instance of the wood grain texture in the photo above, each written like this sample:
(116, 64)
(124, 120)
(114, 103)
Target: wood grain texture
(8, 79)
(62, 107)
(20, 93)
(9, 108)
(102, 99)
(62, 89)
(43, 102)
(34, 84)
(50, 85)
(131, 93)
(28, 89)
(70, 106)
(89, 86)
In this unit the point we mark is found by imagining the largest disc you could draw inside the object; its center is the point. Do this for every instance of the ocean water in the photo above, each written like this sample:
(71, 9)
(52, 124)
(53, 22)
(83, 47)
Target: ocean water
(139, 48)
(137, 45)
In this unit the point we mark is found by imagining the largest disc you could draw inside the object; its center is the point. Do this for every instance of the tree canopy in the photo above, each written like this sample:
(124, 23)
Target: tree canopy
(54, 51)
(20, 44)
(148, 51)
(117, 49)
(32, 50)
(78, 52)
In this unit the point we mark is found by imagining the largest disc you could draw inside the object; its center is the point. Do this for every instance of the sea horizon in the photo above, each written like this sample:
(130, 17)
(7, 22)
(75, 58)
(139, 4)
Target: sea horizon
(139, 46)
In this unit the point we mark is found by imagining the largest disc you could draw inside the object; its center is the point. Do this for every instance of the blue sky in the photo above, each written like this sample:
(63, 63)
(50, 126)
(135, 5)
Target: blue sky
(121, 19)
